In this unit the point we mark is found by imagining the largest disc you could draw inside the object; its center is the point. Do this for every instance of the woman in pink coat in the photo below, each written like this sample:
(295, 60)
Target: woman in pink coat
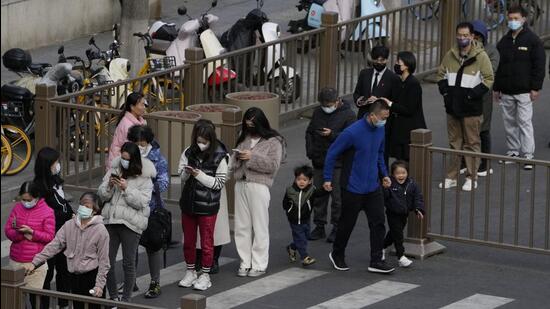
(30, 227)
(132, 115)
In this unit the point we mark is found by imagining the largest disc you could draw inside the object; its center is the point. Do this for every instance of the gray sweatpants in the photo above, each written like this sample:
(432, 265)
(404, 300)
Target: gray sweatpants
(517, 112)
(120, 234)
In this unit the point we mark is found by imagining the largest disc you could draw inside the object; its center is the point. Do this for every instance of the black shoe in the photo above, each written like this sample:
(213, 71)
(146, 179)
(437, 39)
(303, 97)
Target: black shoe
(332, 236)
(317, 233)
(154, 290)
(121, 288)
(338, 262)
(215, 267)
(380, 267)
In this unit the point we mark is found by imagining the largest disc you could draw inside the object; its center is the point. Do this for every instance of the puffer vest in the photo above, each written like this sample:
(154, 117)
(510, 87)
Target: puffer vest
(196, 199)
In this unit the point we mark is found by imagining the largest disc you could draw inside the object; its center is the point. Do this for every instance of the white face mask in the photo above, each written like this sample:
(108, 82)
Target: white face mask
(29, 204)
(202, 146)
(84, 212)
(124, 163)
(328, 110)
(56, 168)
(145, 150)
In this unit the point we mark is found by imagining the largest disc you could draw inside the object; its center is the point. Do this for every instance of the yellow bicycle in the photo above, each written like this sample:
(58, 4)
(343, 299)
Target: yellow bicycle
(7, 155)
(16, 150)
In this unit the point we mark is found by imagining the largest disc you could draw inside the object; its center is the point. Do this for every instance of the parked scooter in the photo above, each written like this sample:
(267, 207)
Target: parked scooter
(269, 66)
(372, 30)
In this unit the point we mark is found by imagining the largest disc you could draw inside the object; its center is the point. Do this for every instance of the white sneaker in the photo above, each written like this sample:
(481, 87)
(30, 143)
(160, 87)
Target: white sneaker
(468, 185)
(484, 173)
(243, 272)
(256, 273)
(189, 278)
(203, 283)
(449, 183)
(463, 170)
(383, 254)
(404, 262)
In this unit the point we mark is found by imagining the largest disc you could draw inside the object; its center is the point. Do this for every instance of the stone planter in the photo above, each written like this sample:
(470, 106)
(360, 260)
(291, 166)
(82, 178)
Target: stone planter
(268, 102)
(213, 112)
(173, 132)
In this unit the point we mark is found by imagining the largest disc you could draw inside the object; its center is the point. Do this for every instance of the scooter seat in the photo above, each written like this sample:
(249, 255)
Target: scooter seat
(160, 46)
(39, 68)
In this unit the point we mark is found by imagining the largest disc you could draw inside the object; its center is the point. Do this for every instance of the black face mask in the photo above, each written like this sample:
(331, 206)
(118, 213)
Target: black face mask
(397, 69)
(379, 66)
(252, 130)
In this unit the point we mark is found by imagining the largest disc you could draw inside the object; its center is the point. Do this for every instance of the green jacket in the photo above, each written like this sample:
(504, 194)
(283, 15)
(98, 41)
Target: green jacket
(464, 80)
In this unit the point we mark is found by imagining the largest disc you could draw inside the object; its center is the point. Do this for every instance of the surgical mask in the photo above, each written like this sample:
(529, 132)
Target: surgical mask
(515, 24)
(380, 123)
(328, 110)
(145, 150)
(29, 204)
(252, 130)
(397, 69)
(56, 169)
(379, 66)
(462, 42)
(125, 163)
(84, 212)
(203, 146)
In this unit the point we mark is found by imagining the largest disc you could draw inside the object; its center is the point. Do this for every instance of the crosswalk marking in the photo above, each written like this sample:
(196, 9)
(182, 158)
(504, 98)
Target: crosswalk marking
(368, 295)
(479, 301)
(169, 275)
(261, 287)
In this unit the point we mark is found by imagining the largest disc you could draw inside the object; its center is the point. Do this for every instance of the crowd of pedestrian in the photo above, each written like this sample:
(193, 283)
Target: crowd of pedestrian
(350, 153)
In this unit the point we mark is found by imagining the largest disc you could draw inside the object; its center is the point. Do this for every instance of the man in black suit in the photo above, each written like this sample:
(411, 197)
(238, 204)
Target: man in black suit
(375, 82)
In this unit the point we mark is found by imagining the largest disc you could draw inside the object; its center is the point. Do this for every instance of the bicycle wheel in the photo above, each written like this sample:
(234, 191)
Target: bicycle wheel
(424, 12)
(20, 146)
(6, 155)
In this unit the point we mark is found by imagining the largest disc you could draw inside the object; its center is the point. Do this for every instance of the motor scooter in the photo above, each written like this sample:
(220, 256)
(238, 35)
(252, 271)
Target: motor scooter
(372, 30)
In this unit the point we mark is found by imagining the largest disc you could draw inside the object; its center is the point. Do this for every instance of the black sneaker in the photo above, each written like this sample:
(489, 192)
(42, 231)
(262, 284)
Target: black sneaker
(317, 233)
(332, 236)
(121, 288)
(215, 268)
(338, 262)
(153, 291)
(380, 267)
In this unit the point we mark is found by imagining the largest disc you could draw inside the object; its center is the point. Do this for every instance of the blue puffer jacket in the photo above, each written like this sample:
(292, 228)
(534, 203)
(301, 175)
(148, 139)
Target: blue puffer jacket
(161, 182)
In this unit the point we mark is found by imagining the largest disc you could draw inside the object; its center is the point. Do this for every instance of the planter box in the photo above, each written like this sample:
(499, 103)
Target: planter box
(269, 103)
(212, 112)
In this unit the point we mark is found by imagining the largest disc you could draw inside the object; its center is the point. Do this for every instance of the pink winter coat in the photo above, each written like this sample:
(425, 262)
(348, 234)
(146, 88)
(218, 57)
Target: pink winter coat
(40, 219)
(128, 121)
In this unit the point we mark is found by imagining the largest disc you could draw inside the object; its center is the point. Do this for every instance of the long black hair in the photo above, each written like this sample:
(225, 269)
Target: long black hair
(204, 128)
(43, 177)
(261, 125)
(139, 133)
(132, 99)
(135, 167)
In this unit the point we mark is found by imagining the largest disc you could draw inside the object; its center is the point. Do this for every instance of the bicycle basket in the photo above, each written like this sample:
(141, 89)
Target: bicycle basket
(161, 64)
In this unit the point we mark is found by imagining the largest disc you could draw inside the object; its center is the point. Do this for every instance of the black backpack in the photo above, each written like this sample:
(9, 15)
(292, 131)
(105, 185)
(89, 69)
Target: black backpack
(159, 230)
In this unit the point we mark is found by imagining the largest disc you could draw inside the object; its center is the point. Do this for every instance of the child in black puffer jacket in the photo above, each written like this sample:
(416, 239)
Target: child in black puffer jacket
(402, 197)
(297, 205)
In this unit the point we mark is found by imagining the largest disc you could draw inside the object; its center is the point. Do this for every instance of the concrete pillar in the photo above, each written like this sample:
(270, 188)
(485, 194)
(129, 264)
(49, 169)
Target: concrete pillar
(44, 116)
(193, 78)
(330, 39)
(449, 17)
(12, 281)
(134, 18)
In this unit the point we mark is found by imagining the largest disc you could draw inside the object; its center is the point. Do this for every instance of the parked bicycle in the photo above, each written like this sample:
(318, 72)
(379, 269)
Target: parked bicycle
(16, 150)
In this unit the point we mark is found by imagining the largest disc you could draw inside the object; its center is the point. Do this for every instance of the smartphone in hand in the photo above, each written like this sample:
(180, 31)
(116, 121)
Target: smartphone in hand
(115, 176)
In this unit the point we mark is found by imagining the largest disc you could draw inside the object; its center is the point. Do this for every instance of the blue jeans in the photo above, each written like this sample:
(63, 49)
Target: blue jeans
(300, 234)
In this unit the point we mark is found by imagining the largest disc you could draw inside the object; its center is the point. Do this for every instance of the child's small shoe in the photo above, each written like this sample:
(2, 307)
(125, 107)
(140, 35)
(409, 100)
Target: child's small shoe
(308, 260)
(404, 262)
(292, 255)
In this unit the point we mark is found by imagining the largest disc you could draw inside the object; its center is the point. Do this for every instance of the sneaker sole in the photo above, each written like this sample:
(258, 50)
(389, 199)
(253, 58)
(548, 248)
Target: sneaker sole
(380, 271)
(242, 275)
(334, 264)
(199, 289)
(306, 265)
(186, 286)
(404, 266)
(256, 275)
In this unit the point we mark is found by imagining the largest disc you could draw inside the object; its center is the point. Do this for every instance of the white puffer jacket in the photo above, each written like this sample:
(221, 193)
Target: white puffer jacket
(131, 206)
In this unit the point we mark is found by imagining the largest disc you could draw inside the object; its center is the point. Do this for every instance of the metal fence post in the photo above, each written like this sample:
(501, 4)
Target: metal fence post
(193, 79)
(416, 243)
(330, 39)
(12, 280)
(44, 130)
(193, 301)
(450, 17)
(229, 133)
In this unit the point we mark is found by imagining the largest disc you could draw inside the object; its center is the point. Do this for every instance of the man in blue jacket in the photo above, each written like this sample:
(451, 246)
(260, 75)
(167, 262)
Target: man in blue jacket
(362, 145)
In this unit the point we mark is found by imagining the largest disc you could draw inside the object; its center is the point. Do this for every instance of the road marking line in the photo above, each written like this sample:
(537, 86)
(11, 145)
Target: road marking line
(479, 301)
(368, 295)
(261, 287)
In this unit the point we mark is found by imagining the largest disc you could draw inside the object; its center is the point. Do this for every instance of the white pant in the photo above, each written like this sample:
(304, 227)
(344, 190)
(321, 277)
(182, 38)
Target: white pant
(252, 224)
(517, 112)
(36, 279)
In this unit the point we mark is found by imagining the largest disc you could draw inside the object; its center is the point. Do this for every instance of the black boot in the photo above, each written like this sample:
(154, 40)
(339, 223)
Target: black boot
(317, 233)
(215, 265)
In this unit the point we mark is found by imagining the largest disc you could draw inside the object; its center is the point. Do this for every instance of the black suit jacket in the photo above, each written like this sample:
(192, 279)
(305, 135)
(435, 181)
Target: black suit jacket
(388, 87)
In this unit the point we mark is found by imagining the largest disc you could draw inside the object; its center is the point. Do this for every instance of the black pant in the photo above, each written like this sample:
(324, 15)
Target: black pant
(81, 284)
(396, 224)
(485, 137)
(59, 262)
(373, 205)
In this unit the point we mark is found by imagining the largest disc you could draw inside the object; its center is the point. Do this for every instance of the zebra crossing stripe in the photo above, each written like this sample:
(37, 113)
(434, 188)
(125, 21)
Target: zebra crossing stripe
(479, 301)
(261, 287)
(368, 295)
(170, 275)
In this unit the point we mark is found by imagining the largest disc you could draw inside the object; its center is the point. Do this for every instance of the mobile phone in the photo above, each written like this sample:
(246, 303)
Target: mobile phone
(188, 167)
(14, 224)
(235, 150)
(115, 176)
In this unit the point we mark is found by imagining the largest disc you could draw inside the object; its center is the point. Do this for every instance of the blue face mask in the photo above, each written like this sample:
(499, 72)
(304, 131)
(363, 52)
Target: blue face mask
(380, 123)
(84, 212)
(515, 24)
(29, 204)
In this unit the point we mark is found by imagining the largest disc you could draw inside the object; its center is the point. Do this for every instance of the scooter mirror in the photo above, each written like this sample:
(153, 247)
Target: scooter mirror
(182, 10)
(61, 50)
(214, 3)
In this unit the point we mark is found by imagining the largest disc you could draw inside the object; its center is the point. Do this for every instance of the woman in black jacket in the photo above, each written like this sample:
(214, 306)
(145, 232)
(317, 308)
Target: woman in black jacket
(47, 171)
(406, 112)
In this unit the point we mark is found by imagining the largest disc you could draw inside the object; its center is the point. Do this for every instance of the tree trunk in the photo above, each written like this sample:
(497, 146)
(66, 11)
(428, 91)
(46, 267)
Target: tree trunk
(134, 18)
